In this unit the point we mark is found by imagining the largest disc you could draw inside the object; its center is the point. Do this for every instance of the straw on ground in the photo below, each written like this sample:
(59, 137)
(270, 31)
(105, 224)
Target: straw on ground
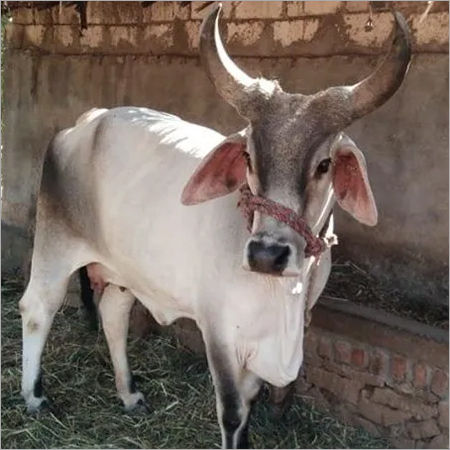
(86, 413)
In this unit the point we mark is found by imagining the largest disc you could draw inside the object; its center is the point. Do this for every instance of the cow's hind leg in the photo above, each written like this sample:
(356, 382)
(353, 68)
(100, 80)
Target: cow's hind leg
(235, 390)
(43, 297)
(115, 306)
(87, 298)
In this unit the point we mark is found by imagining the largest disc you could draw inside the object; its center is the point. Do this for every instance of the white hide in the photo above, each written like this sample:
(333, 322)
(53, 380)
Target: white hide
(183, 261)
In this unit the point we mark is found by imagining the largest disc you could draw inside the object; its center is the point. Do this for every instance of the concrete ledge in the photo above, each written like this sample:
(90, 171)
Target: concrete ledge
(385, 318)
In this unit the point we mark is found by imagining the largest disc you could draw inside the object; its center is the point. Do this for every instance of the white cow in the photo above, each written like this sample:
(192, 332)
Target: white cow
(114, 193)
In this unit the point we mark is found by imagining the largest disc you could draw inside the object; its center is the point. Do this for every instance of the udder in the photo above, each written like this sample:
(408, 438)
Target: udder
(96, 277)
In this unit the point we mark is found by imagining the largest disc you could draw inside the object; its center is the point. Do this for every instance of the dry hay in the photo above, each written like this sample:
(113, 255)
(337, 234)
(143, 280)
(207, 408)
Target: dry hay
(86, 413)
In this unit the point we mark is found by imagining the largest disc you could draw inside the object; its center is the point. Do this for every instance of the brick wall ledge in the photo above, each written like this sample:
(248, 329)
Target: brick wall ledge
(378, 328)
(386, 318)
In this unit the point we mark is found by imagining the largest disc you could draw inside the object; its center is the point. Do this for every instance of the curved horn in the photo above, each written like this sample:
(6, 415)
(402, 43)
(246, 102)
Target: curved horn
(230, 81)
(348, 103)
(378, 87)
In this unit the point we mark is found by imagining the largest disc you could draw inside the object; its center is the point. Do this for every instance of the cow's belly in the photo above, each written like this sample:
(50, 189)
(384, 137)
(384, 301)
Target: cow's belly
(171, 256)
(164, 307)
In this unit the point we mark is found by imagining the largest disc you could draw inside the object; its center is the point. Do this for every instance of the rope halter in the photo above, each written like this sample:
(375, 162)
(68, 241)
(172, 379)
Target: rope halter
(249, 203)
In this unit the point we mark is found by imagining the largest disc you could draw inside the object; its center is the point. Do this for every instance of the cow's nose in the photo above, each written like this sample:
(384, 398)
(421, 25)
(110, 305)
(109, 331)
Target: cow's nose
(265, 258)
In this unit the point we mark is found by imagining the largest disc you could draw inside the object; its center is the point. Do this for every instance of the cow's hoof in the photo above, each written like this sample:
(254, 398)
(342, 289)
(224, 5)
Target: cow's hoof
(281, 400)
(37, 405)
(135, 404)
(140, 408)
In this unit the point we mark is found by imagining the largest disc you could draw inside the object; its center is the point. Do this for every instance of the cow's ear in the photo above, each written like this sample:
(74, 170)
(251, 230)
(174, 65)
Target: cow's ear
(222, 171)
(350, 181)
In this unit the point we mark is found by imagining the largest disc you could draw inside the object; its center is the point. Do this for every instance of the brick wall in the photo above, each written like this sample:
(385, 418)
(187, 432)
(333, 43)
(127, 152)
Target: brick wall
(386, 393)
(375, 370)
(313, 28)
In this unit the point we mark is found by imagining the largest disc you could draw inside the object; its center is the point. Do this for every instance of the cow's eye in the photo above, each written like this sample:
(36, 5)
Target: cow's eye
(323, 166)
(249, 161)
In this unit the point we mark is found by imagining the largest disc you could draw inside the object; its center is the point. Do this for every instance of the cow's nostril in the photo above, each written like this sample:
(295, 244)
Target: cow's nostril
(281, 253)
(268, 258)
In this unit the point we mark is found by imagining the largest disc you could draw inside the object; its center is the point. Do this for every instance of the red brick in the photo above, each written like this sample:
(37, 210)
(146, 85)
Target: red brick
(379, 363)
(439, 383)
(423, 430)
(443, 414)
(380, 6)
(23, 15)
(66, 15)
(418, 409)
(367, 425)
(258, 10)
(393, 416)
(420, 375)
(405, 388)
(398, 368)
(359, 358)
(361, 377)
(429, 397)
(322, 7)
(310, 342)
(324, 349)
(344, 411)
(295, 9)
(353, 6)
(319, 401)
(440, 441)
(341, 387)
(43, 16)
(342, 352)
(380, 414)
(402, 442)
(301, 385)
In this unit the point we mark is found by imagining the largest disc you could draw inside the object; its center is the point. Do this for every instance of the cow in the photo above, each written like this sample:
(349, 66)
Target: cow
(148, 202)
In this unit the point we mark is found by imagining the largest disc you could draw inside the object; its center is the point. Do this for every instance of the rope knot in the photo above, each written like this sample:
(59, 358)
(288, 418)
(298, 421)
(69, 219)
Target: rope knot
(249, 203)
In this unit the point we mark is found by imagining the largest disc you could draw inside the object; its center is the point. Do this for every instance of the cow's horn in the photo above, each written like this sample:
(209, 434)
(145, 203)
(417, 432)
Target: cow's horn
(230, 81)
(378, 87)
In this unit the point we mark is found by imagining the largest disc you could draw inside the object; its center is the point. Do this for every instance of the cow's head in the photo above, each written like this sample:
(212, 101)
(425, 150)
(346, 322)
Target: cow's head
(293, 150)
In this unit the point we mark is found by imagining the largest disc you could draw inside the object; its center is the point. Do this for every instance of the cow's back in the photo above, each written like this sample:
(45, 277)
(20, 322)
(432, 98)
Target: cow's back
(118, 143)
(117, 176)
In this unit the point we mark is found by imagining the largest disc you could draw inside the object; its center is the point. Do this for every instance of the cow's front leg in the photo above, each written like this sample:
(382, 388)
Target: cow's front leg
(235, 390)
(115, 306)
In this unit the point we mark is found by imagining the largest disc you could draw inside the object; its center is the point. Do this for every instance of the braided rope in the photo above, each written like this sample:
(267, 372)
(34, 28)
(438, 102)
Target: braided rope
(249, 203)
